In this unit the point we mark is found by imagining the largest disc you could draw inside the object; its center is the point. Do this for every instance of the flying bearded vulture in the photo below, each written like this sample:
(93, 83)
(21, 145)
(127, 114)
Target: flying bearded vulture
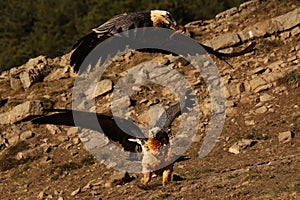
(127, 21)
(118, 24)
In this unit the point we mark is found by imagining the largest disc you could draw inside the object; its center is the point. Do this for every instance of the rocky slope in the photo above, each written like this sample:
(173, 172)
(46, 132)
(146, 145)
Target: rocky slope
(256, 157)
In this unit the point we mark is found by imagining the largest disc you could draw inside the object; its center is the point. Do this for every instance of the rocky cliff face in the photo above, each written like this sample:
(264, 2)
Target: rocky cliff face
(257, 154)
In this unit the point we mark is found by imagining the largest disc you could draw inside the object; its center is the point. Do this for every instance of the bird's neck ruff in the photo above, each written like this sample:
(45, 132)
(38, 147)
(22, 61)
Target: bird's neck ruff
(160, 19)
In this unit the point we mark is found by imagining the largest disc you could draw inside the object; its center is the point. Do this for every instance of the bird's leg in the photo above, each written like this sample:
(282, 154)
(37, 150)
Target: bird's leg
(147, 177)
(167, 175)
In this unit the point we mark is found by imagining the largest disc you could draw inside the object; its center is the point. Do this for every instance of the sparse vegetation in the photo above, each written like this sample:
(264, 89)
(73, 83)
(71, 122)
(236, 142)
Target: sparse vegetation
(197, 173)
(59, 170)
(292, 78)
(13, 102)
(88, 160)
(8, 160)
(256, 134)
(47, 103)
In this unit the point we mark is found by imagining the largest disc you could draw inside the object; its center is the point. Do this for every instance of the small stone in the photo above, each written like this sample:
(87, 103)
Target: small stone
(230, 103)
(235, 149)
(120, 178)
(75, 192)
(41, 195)
(26, 135)
(258, 70)
(103, 87)
(249, 122)
(286, 136)
(261, 110)
(291, 59)
(232, 111)
(256, 82)
(63, 138)
(266, 97)
(53, 129)
(22, 111)
(240, 145)
(263, 87)
(72, 131)
(76, 140)
(58, 74)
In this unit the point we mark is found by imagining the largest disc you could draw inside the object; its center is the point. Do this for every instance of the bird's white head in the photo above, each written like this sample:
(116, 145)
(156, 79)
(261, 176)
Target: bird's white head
(163, 19)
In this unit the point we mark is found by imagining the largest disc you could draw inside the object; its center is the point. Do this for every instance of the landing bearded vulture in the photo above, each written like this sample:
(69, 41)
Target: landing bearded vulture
(155, 148)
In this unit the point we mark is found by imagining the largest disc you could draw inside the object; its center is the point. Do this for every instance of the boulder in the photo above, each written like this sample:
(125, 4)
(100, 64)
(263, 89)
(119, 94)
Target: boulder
(21, 112)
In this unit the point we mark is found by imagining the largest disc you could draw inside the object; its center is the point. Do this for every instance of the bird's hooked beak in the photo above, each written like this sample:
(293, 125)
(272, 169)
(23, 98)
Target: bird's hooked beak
(171, 22)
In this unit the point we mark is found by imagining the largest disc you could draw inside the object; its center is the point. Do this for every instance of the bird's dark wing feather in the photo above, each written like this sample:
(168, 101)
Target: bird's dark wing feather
(113, 26)
(165, 120)
(108, 126)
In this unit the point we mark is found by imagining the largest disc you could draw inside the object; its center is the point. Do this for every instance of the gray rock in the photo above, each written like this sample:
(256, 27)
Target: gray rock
(240, 145)
(22, 111)
(41, 195)
(272, 77)
(103, 87)
(277, 24)
(58, 74)
(231, 111)
(263, 87)
(28, 73)
(288, 20)
(63, 138)
(248, 4)
(99, 89)
(256, 82)
(266, 97)
(15, 82)
(259, 29)
(75, 192)
(286, 136)
(72, 131)
(53, 129)
(258, 70)
(261, 110)
(226, 40)
(249, 122)
(236, 89)
(28, 77)
(26, 135)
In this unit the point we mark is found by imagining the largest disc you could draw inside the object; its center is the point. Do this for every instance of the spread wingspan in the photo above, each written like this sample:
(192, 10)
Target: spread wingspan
(106, 125)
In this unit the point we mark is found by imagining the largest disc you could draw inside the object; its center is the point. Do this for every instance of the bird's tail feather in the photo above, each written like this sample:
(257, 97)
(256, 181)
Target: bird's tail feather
(221, 55)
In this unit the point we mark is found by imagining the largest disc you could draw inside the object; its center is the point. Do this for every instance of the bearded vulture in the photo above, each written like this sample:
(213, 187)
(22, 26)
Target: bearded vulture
(155, 148)
(118, 24)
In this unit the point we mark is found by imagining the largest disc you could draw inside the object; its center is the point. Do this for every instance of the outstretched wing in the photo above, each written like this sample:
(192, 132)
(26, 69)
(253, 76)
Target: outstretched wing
(165, 120)
(106, 125)
(117, 24)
